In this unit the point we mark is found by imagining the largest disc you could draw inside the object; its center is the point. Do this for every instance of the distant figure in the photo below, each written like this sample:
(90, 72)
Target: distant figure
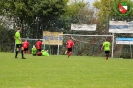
(25, 46)
(45, 53)
(38, 45)
(106, 45)
(18, 42)
(34, 50)
(69, 45)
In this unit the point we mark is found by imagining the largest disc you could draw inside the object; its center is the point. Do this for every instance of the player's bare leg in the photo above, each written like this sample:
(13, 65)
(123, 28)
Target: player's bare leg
(66, 52)
(107, 55)
(22, 53)
(16, 53)
(69, 54)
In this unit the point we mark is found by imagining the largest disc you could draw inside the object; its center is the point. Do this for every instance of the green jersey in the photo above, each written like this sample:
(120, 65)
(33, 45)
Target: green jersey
(106, 46)
(17, 36)
(45, 53)
(33, 50)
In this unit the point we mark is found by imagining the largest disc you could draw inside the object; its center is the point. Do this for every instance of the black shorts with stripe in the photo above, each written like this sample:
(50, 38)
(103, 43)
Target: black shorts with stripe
(18, 45)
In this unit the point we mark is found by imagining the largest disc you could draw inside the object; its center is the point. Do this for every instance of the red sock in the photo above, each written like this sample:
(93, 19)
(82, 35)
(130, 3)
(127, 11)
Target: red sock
(70, 53)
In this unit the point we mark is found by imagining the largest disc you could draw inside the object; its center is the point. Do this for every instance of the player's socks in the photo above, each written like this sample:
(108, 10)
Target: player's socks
(22, 52)
(16, 54)
(68, 54)
(106, 58)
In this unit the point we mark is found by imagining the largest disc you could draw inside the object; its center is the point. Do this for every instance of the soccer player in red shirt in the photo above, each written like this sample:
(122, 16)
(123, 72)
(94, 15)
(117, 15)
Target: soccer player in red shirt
(25, 46)
(38, 45)
(69, 45)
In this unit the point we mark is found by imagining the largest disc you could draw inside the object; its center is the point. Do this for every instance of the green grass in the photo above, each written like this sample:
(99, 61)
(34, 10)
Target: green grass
(62, 72)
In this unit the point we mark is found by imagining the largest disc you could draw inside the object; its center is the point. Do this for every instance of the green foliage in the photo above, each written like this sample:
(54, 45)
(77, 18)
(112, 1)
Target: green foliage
(74, 7)
(105, 9)
(34, 16)
(6, 39)
(24, 8)
(50, 8)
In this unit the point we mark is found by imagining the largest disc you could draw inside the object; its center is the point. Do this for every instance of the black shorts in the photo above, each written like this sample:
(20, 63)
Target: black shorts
(107, 52)
(18, 45)
(34, 54)
(26, 49)
(69, 49)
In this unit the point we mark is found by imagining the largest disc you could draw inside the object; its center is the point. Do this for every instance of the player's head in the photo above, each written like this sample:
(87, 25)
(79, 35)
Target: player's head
(18, 29)
(69, 37)
(38, 40)
(33, 46)
(106, 39)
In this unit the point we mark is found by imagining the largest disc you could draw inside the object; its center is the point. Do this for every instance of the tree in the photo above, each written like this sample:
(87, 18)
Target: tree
(106, 12)
(80, 12)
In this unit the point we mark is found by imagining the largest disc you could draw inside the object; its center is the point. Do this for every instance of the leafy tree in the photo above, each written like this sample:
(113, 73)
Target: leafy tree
(106, 9)
(34, 16)
(32, 12)
(80, 12)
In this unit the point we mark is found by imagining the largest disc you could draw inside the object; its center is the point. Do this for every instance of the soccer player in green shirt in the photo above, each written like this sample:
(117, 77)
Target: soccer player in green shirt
(18, 43)
(106, 45)
(45, 53)
(34, 50)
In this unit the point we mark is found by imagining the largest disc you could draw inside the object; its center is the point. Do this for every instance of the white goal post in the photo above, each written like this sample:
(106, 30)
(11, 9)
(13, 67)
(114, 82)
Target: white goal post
(86, 36)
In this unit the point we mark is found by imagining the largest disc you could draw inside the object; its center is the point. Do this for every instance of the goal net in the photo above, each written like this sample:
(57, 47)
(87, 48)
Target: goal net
(88, 45)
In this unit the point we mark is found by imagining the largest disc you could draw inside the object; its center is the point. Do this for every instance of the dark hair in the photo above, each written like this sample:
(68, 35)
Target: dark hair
(18, 28)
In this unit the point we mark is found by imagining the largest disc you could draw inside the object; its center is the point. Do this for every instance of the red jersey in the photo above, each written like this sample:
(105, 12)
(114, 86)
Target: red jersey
(70, 43)
(25, 44)
(38, 44)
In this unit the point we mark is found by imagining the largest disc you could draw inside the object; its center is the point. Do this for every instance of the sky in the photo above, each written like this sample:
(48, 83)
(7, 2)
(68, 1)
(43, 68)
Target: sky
(91, 1)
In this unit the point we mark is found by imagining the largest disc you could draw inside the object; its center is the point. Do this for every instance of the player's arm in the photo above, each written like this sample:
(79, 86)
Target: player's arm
(14, 37)
(19, 39)
(28, 43)
(66, 44)
(73, 43)
(42, 42)
(35, 43)
(102, 47)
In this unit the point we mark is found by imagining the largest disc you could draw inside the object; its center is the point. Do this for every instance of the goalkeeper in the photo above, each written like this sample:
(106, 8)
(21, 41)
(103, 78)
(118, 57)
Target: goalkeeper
(34, 50)
(45, 53)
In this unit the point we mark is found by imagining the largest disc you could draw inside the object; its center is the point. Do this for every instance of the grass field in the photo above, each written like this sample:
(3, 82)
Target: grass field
(62, 72)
